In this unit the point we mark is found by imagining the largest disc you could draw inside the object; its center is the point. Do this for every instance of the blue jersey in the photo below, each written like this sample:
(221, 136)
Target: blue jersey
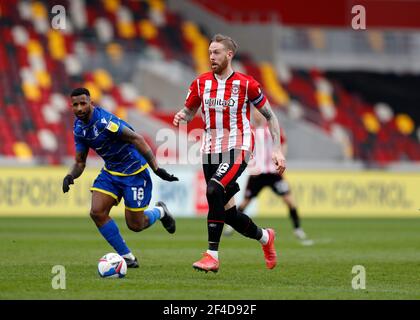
(102, 135)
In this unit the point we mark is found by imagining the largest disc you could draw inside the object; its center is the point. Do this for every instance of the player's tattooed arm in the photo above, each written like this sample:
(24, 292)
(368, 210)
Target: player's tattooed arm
(141, 145)
(273, 123)
(79, 165)
(185, 114)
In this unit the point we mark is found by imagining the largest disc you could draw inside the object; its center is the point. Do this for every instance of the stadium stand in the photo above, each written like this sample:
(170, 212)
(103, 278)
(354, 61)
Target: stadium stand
(39, 67)
(103, 39)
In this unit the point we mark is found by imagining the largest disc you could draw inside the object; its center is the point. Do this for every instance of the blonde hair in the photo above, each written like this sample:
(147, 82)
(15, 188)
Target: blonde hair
(227, 41)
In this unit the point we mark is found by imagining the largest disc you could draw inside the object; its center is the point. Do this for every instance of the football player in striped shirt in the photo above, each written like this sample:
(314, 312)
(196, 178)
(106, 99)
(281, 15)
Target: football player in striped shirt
(124, 175)
(225, 97)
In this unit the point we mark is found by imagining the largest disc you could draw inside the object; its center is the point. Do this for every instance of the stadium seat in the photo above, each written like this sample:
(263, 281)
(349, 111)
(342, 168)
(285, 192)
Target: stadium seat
(22, 151)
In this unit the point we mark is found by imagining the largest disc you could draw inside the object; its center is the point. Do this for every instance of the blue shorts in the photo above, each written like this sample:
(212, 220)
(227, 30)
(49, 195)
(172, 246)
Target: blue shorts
(136, 190)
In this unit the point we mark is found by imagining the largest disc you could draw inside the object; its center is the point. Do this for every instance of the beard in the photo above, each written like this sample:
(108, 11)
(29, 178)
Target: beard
(218, 68)
(85, 116)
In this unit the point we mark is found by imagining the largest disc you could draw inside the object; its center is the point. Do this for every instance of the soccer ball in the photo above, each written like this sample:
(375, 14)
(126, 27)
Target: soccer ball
(112, 265)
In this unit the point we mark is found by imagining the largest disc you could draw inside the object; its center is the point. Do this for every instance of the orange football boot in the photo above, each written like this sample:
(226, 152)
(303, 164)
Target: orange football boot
(207, 263)
(270, 254)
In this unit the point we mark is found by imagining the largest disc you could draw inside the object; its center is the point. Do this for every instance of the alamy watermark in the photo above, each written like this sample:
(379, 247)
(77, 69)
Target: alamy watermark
(58, 21)
(59, 279)
(194, 147)
(358, 21)
(359, 280)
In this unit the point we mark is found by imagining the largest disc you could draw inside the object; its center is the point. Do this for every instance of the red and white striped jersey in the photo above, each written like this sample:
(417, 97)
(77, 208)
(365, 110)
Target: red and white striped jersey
(225, 110)
(262, 161)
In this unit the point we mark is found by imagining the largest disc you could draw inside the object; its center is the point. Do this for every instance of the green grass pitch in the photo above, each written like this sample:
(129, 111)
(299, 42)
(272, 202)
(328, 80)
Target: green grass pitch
(387, 248)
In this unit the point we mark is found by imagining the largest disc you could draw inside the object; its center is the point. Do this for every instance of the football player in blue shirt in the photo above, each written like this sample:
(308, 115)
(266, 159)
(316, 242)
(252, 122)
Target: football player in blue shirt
(124, 175)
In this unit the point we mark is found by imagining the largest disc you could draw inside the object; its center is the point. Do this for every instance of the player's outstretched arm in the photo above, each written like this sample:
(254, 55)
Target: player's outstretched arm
(143, 147)
(274, 127)
(76, 170)
(185, 114)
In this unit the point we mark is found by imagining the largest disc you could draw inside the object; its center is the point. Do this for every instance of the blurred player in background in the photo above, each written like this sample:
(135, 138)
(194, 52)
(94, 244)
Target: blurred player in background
(225, 96)
(263, 174)
(127, 157)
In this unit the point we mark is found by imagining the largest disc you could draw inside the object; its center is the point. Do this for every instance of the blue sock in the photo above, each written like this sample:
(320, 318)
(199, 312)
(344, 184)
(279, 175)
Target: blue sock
(111, 233)
(153, 215)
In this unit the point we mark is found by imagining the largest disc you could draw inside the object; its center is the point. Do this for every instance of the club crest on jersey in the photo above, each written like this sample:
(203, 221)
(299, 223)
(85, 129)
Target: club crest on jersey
(235, 89)
(214, 102)
(95, 131)
(112, 126)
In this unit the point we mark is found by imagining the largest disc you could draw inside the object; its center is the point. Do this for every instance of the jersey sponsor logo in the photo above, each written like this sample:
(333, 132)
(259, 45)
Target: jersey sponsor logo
(214, 102)
(112, 126)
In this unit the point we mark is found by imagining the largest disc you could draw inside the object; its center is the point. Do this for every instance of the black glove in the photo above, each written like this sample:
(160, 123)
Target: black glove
(68, 180)
(161, 173)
